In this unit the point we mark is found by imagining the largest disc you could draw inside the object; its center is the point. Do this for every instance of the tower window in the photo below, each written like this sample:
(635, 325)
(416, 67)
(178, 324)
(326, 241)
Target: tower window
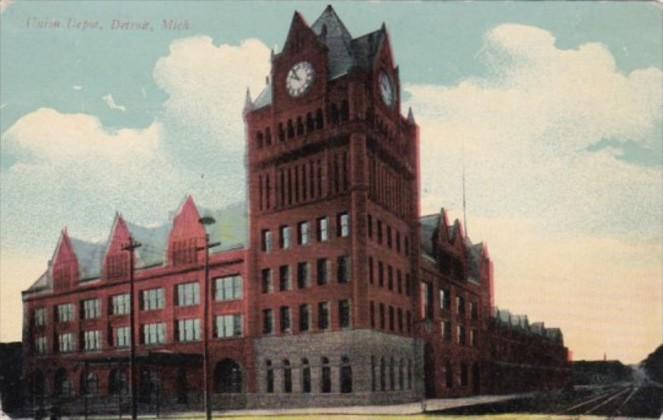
(291, 129)
(281, 133)
(345, 111)
(319, 119)
(300, 126)
(268, 136)
(259, 139)
(310, 123)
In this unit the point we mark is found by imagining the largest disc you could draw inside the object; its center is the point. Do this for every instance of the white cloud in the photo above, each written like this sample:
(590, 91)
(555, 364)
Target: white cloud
(561, 222)
(77, 87)
(4, 5)
(108, 99)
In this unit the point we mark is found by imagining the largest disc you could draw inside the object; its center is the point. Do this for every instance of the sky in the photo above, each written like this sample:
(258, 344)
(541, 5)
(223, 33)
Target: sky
(554, 108)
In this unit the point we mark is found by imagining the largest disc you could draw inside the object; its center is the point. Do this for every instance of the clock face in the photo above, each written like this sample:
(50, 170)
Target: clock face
(299, 78)
(386, 89)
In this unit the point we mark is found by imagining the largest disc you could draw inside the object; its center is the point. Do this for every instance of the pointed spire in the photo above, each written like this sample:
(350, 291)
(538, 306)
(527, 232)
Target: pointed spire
(272, 55)
(383, 27)
(248, 103)
(410, 115)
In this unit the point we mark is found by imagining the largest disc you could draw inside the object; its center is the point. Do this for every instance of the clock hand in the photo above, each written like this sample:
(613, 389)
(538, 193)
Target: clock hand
(295, 76)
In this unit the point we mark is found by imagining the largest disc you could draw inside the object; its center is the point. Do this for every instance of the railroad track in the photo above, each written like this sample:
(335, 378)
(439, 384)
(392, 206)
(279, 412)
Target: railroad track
(608, 402)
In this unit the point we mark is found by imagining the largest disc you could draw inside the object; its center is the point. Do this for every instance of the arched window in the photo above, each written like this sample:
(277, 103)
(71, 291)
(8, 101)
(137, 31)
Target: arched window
(306, 376)
(300, 126)
(117, 382)
(325, 376)
(63, 386)
(383, 375)
(228, 377)
(291, 129)
(345, 111)
(287, 377)
(319, 119)
(334, 114)
(392, 374)
(89, 383)
(310, 123)
(401, 375)
(281, 133)
(269, 377)
(346, 375)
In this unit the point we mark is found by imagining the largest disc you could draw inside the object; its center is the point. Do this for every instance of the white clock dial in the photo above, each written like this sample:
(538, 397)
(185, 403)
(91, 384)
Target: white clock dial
(299, 78)
(386, 89)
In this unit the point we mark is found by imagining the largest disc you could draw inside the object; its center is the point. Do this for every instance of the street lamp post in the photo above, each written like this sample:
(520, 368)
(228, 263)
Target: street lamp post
(206, 220)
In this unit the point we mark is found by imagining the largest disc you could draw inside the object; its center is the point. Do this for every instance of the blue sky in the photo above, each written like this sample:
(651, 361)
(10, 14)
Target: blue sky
(555, 104)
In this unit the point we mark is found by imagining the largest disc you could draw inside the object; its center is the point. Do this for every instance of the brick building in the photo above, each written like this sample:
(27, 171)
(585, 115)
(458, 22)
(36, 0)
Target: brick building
(328, 283)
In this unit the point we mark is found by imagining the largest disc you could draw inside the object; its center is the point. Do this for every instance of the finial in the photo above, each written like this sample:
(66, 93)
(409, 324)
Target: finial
(248, 103)
(410, 115)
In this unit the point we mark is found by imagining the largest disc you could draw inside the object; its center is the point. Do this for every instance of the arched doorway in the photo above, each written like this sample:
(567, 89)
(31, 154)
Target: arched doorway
(149, 386)
(63, 385)
(228, 377)
(118, 382)
(429, 370)
(38, 386)
(182, 386)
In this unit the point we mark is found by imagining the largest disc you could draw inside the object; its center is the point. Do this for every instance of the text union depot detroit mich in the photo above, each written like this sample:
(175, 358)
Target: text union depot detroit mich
(328, 288)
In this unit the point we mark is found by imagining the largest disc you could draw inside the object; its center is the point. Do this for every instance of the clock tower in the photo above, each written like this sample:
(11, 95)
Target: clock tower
(333, 191)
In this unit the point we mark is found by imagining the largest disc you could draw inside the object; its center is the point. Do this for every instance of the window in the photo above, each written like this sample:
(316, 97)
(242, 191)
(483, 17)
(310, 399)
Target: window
(372, 310)
(188, 294)
(304, 233)
(91, 309)
(427, 299)
(408, 284)
(323, 229)
(383, 375)
(269, 377)
(228, 288)
(66, 342)
(370, 270)
(229, 326)
(154, 333)
(445, 330)
(408, 320)
(407, 246)
(343, 225)
(445, 299)
(267, 321)
(473, 338)
(461, 335)
(91, 340)
(460, 305)
(380, 274)
(285, 319)
(323, 271)
(399, 281)
(40, 317)
(382, 324)
(287, 377)
(401, 375)
(303, 275)
(304, 317)
(306, 376)
(379, 231)
(344, 315)
(285, 281)
(41, 345)
(369, 227)
(398, 242)
(188, 330)
(391, 318)
(153, 299)
(400, 320)
(463, 374)
(389, 236)
(285, 237)
(373, 375)
(390, 278)
(267, 286)
(346, 375)
(122, 337)
(266, 241)
(474, 311)
(343, 269)
(120, 304)
(325, 377)
(392, 374)
(323, 315)
(66, 312)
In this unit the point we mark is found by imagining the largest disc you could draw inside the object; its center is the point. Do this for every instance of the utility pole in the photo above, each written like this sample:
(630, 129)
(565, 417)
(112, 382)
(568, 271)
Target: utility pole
(208, 220)
(130, 247)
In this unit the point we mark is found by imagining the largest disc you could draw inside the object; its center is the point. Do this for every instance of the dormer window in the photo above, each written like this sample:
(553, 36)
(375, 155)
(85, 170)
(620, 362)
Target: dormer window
(184, 251)
(116, 266)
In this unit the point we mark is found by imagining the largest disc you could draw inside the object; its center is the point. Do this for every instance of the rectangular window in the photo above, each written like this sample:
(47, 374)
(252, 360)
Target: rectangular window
(188, 330)
(399, 281)
(461, 335)
(400, 320)
(408, 284)
(372, 310)
(445, 330)
(427, 299)
(267, 285)
(66, 312)
(369, 227)
(66, 343)
(40, 317)
(391, 318)
(303, 275)
(343, 225)
(390, 278)
(323, 229)
(445, 299)
(370, 270)
(266, 240)
(122, 337)
(379, 231)
(407, 246)
(41, 345)
(460, 305)
(120, 304)
(285, 281)
(188, 294)
(154, 333)
(154, 299)
(91, 340)
(228, 288)
(380, 274)
(389, 236)
(473, 338)
(474, 311)
(267, 321)
(228, 326)
(323, 271)
(398, 242)
(304, 317)
(285, 237)
(344, 315)
(91, 309)
(304, 233)
(285, 319)
(343, 269)
(323, 315)
(382, 323)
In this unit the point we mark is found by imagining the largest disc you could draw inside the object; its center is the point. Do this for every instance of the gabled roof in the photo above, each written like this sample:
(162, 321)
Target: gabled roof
(90, 256)
(154, 243)
(429, 226)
